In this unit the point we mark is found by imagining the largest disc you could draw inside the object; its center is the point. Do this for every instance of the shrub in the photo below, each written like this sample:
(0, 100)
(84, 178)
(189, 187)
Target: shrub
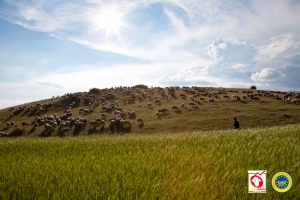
(95, 90)
(141, 86)
(253, 87)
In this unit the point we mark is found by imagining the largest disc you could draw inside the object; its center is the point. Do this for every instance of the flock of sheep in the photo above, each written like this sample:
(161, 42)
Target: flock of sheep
(121, 121)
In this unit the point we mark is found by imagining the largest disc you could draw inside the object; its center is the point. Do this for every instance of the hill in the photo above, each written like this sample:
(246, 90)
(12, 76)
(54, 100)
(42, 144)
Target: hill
(161, 111)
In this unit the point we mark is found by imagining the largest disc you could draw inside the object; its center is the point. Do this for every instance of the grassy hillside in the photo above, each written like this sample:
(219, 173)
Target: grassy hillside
(218, 115)
(196, 165)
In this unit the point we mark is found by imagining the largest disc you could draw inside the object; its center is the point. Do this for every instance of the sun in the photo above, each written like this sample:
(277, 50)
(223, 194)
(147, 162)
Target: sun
(109, 20)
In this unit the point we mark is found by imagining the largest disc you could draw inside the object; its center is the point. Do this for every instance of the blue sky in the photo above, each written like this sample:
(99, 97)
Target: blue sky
(57, 47)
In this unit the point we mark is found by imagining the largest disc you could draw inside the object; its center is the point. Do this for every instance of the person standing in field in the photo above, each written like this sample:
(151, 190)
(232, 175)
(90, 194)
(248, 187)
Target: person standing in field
(236, 124)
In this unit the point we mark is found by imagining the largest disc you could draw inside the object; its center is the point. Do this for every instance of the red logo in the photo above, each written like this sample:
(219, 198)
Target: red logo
(256, 181)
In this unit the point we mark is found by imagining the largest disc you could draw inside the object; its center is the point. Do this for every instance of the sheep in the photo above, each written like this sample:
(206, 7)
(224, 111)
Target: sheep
(295, 101)
(125, 125)
(287, 100)
(192, 104)
(255, 98)
(175, 108)
(3, 134)
(211, 100)
(10, 124)
(97, 122)
(139, 119)
(163, 110)
(48, 126)
(158, 114)
(25, 124)
(131, 114)
(35, 125)
(157, 101)
(119, 109)
(64, 130)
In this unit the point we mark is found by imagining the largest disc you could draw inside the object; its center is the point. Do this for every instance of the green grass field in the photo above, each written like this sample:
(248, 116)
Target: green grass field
(186, 165)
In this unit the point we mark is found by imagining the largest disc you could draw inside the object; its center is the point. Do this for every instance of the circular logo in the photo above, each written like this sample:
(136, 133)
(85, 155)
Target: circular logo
(282, 182)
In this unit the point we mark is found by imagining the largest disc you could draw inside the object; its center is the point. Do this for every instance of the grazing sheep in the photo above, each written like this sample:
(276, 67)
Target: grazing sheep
(25, 124)
(211, 100)
(10, 124)
(119, 109)
(192, 104)
(175, 108)
(64, 130)
(48, 126)
(287, 100)
(131, 114)
(158, 114)
(3, 134)
(157, 101)
(163, 110)
(139, 119)
(255, 98)
(35, 125)
(126, 124)
(295, 101)
(94, 123)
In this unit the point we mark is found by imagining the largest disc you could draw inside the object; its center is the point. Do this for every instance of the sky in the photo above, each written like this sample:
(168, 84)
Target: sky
(52, 47)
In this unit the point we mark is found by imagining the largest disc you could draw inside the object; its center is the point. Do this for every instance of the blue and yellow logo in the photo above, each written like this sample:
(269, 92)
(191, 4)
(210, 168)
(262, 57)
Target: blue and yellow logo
(282, 182)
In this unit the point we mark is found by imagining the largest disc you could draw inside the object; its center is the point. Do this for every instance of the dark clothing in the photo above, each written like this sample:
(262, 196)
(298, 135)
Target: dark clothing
(236, 124)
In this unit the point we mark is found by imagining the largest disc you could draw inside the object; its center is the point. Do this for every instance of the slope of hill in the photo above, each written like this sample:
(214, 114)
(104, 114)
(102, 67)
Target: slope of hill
(161, 110)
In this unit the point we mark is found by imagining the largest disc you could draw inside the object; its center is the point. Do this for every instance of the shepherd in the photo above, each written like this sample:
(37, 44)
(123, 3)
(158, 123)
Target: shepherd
(236, 124)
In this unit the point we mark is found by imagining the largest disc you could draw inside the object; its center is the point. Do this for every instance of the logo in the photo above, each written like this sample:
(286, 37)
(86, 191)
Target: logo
(282, 182)
(257, 181)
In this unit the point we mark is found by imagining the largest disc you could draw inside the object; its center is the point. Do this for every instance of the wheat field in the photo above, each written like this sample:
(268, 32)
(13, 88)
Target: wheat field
(186, 165)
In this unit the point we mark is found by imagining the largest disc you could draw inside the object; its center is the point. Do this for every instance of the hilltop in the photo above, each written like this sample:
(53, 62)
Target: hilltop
(160, 110)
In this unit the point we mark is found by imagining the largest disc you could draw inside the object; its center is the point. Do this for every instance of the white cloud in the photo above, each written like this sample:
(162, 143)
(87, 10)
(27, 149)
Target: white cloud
(276, 46)
(193, 23)
(231, 52)
(267, 74)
